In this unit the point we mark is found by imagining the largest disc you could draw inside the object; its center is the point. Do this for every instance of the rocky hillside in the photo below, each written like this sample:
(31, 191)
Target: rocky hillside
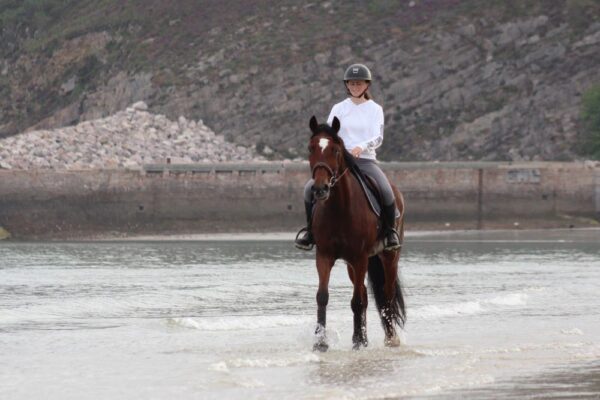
(457, 79)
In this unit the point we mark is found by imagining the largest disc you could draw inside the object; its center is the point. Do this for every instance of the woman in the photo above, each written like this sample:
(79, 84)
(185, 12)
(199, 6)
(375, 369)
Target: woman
(362, 132)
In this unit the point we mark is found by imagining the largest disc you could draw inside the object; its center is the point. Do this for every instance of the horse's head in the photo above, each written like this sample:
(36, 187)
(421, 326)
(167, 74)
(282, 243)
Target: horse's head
(327, 156)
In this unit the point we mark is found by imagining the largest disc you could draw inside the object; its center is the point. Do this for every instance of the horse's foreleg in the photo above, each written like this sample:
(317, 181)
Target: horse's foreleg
(359, 305)
(324, 265)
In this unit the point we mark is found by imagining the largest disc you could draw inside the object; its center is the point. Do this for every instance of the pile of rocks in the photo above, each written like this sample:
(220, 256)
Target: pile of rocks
(127, 139)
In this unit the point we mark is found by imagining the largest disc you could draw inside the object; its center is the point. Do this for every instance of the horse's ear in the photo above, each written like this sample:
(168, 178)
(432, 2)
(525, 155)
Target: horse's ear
(335, 125)
(313, 125)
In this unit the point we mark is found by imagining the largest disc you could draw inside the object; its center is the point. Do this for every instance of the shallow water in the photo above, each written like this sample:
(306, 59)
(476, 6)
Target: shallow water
(214, 320)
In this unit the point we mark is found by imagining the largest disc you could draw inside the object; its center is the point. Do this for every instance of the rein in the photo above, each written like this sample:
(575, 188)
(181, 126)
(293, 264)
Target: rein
(334, 177)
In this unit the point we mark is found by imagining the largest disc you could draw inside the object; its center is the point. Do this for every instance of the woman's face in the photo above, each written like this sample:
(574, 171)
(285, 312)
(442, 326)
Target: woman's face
(356, 87)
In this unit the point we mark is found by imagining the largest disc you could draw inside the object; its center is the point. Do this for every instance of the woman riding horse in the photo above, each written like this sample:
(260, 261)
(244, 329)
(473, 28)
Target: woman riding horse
(345, 227)
(362, 132)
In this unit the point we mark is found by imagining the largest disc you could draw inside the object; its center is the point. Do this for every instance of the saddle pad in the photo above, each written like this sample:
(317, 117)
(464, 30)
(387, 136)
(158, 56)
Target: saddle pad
(371, 196)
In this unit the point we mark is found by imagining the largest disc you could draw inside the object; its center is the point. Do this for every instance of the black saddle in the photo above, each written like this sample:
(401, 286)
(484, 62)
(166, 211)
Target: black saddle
(371, 190)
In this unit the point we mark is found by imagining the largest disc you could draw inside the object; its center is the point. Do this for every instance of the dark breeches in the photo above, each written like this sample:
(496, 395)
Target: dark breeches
(368, 167)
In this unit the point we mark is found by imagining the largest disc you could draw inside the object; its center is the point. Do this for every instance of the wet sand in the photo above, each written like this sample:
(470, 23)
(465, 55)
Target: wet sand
(568, 382)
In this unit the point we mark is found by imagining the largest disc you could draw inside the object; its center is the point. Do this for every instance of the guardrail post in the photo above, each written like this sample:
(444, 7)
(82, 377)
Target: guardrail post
(480, 198)
(597, 191)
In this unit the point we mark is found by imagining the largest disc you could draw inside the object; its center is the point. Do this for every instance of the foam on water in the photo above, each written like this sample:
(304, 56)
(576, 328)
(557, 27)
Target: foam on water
(573, 331)
(469, 307)
(516, 299)
(237, 323)
(429, 312)
(447, 310)
(273, 362)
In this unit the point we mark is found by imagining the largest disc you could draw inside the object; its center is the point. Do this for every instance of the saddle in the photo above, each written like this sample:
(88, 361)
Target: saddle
(371, 190)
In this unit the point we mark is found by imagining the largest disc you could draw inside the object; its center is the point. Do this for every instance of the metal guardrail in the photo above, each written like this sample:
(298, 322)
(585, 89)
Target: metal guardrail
(218, 168)
(278, 167)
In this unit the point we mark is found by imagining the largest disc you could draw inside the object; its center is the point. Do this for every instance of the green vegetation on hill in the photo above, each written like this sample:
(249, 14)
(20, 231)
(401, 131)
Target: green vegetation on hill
(45, 24)
(591, 120)
(35, 14)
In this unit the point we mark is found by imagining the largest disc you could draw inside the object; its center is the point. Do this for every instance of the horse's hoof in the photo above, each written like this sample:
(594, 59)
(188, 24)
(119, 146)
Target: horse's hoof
(322, 347)
(358, 345)
(394, 341)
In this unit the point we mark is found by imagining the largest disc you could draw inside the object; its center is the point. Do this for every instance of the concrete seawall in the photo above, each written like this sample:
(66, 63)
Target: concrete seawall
(268, 197)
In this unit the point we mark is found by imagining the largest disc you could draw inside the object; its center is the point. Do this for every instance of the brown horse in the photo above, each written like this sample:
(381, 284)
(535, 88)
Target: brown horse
(344, 227)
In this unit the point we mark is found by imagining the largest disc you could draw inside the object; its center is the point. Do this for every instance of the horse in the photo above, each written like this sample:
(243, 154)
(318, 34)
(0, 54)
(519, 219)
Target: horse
(344, 227)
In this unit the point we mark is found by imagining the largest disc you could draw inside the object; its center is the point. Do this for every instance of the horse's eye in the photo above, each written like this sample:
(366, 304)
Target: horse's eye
(311, 148)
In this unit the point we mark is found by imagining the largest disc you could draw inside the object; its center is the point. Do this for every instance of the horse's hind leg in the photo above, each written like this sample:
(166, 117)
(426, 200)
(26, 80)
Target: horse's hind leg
(392, 311)
(359, 304)
(324, 265)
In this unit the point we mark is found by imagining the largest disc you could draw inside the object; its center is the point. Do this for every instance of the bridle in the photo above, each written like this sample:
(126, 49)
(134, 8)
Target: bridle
(334, 177)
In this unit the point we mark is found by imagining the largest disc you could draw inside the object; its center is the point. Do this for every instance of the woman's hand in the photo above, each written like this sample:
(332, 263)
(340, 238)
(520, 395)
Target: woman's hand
(356, 151)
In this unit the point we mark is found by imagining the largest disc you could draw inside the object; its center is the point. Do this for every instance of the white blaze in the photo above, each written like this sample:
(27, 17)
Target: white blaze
(323, 143)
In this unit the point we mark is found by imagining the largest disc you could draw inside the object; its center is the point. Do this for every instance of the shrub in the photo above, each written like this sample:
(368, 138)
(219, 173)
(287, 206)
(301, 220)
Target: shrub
(590, 116)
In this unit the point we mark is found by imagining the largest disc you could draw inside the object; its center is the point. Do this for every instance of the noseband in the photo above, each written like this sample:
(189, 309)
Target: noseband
(334, 177)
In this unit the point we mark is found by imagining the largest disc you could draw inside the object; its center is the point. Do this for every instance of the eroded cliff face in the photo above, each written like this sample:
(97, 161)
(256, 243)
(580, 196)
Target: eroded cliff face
(457, 81)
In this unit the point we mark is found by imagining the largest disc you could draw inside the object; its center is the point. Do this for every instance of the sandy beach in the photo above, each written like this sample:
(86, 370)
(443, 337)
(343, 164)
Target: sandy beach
(578, 381)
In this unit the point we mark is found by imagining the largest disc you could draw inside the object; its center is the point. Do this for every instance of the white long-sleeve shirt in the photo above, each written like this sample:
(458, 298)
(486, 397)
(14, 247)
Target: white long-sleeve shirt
(360, 125)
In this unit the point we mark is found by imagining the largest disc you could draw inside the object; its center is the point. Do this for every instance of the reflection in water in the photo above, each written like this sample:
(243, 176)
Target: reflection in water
(341, 368)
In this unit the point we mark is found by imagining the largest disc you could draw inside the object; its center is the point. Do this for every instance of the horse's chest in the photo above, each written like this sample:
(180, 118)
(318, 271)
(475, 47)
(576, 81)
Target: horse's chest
(344, 240)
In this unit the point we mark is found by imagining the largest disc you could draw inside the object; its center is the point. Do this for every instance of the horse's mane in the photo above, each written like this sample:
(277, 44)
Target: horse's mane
(329, 131)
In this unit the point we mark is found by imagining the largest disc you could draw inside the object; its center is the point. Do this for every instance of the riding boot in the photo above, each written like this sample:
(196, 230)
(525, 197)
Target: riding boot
(391, 236)
(306, 242)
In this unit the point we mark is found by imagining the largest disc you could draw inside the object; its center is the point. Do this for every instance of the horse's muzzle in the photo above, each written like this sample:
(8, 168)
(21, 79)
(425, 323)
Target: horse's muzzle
(321, 192)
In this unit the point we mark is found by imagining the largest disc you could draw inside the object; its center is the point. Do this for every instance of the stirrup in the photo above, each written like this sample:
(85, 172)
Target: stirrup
(388, 247)
(307, 245)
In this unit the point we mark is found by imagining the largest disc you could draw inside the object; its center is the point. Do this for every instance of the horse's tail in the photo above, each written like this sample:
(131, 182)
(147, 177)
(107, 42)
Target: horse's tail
(376, 281)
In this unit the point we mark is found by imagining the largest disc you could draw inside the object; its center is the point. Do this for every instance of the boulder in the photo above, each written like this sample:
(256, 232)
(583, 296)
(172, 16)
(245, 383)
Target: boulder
(4, 234)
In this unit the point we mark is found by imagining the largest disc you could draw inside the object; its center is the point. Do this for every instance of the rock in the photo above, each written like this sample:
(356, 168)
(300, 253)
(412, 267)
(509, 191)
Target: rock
(588, 40)
(4, 234)
(113, 142)
(322, 58)
(68, 86)
(510, 33)
(140, 106)
(467, 30)
(267, 150)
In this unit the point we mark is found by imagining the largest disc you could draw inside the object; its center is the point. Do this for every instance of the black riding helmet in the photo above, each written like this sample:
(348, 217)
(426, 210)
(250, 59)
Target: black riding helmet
(357, 72)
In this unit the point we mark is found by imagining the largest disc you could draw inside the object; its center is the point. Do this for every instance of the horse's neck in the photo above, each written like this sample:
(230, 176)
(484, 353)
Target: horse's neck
(341, 195)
